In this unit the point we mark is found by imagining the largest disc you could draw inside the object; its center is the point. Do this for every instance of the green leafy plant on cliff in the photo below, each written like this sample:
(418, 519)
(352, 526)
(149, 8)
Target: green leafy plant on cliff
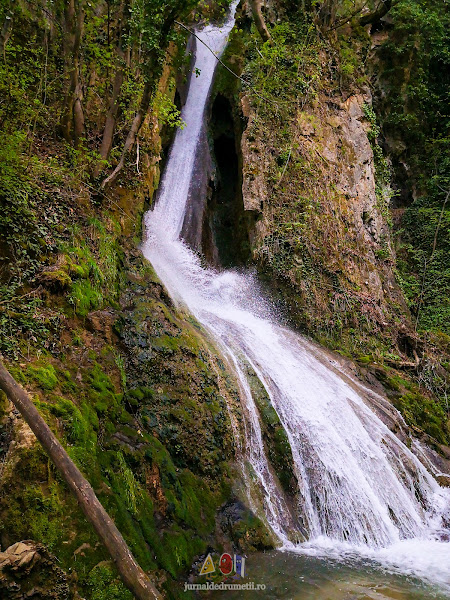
(383, 189)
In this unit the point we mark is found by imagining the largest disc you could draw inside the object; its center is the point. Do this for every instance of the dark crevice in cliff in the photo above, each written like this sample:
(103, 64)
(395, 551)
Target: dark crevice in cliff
(225, 241)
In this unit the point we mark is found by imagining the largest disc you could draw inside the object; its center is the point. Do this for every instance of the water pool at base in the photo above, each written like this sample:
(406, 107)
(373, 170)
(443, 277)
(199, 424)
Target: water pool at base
(290, 576)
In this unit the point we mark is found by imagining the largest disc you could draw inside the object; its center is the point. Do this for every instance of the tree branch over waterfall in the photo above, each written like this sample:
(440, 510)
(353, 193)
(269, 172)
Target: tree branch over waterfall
(219, 60)
(156, 19)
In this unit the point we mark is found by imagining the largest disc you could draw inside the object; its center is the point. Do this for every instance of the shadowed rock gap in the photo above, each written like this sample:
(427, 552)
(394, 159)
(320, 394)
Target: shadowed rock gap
(225, 233)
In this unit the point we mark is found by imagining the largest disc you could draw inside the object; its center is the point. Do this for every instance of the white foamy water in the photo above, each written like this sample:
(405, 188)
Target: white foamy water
(360, 490)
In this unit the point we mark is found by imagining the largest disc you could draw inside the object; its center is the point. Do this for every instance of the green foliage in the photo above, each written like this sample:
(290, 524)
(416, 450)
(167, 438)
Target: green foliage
(103, 584)
(167, 111)
(44, 376)
(21, 320)
(92, 263)
(28, 234)
(426, 274)
(416, 117)
(425, 413)
(22, 235)
(150, 27)
(370, 115)
(383, 189)
(350, 61)
(285, 72)
(21, 85)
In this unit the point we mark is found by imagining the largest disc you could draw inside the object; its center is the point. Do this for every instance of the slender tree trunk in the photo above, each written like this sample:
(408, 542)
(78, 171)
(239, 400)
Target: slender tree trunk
(5, 33)
(132, 134)
(131, 573)
(114, 105)
(66, 118)
(78, 114)
(259, 20)
(73, 114)
(111, 117)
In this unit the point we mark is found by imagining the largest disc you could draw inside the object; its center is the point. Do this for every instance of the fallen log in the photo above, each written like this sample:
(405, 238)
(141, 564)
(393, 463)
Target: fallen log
(133, 576)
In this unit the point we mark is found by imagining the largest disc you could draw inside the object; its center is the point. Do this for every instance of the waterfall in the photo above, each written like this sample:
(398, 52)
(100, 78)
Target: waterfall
(360, 490)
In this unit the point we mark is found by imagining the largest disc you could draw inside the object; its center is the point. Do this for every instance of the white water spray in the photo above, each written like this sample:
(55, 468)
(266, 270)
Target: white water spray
(360, 489)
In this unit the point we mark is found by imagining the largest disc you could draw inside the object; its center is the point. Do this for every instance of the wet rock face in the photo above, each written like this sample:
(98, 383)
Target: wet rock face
(225, 227)
(28, 570)
(216, 223)
(322, 230)
(101, 322)
(173, 379)
(244, 528)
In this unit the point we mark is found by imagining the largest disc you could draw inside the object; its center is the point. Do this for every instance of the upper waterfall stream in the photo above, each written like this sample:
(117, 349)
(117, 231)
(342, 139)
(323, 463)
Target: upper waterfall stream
(361, 490)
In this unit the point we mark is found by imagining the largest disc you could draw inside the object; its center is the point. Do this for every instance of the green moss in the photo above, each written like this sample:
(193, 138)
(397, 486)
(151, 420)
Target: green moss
(92, 262)
(275, 437)
(44, 376)
(424, 413)
(103, 584)
(250, 533)
(76, 426)
(365, 359)
(85, 297)
(418, 410)
(57, 279)
(66, 381)
(180, 547)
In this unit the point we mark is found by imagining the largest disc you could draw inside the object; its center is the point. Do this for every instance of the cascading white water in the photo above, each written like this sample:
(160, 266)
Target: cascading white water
(360, 488)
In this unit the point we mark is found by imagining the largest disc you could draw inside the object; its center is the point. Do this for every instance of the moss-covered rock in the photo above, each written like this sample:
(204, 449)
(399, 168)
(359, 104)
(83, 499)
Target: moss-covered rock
(244, 528)
(275, 438)
(57, 280)
(145, 418)
(27, 569)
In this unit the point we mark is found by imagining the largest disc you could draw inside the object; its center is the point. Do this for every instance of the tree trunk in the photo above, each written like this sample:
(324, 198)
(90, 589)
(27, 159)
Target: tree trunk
(132, 134)
(78, 113)
(114, 105)
(73, 114)
(5, 33)
(131, 573)
(110, 124)
(259, 20)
